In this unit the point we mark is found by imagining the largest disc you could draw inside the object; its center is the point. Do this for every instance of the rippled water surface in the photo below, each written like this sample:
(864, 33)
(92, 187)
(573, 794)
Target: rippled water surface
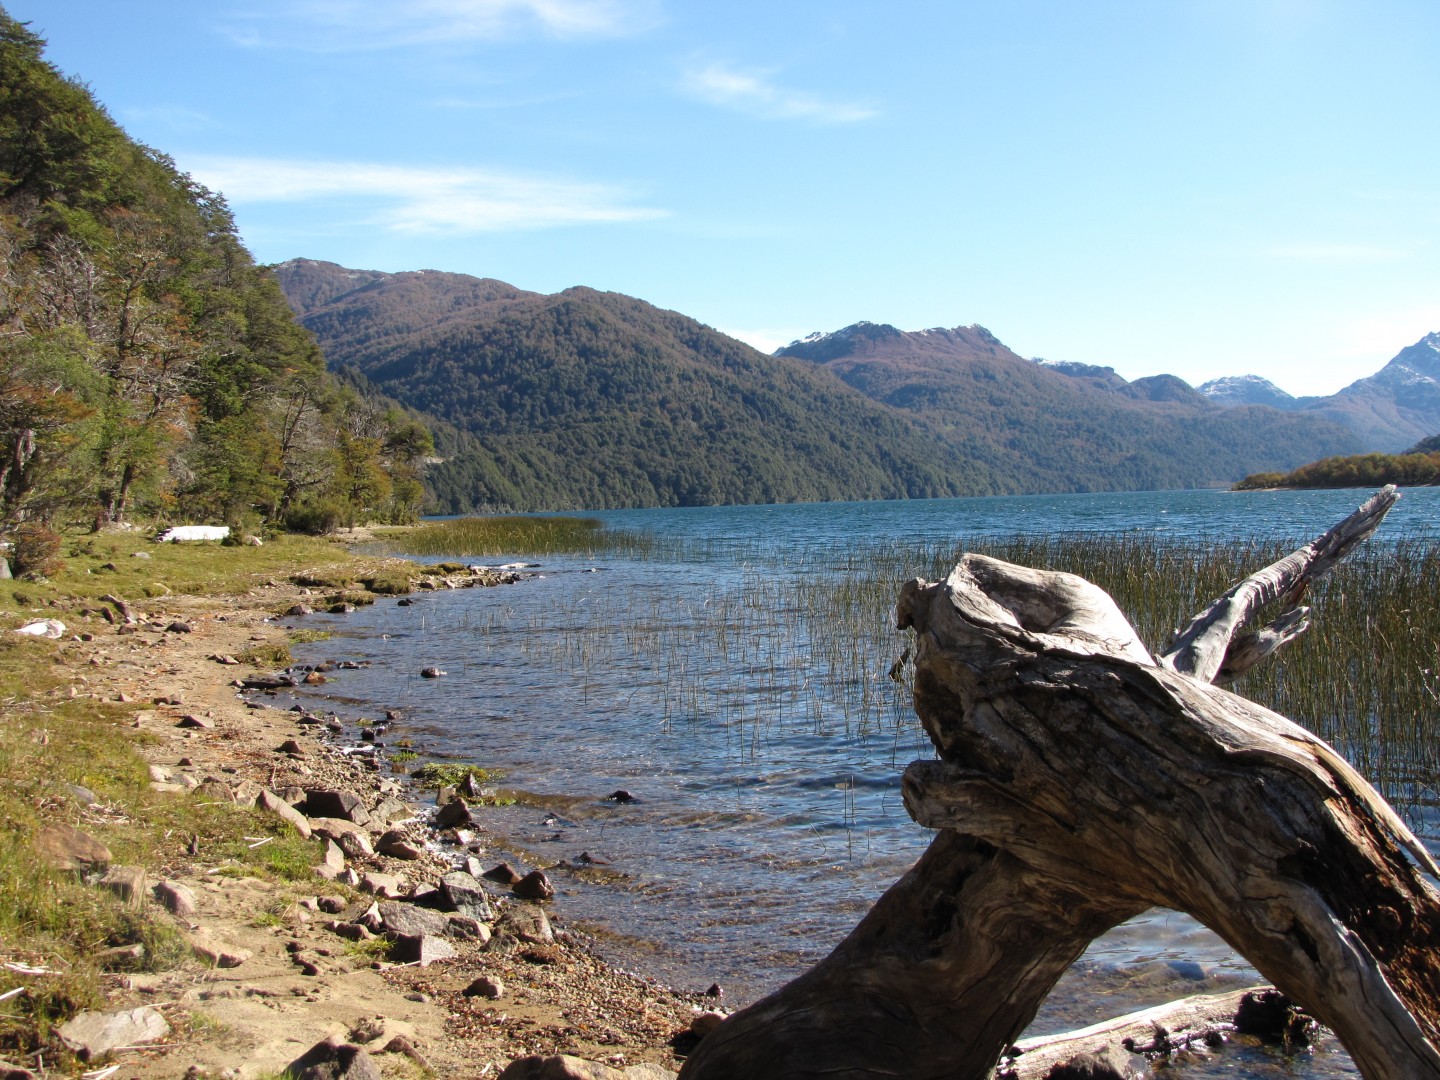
(765, 770)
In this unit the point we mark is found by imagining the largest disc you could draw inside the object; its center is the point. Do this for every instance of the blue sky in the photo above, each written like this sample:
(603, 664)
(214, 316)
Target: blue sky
(1200, 187)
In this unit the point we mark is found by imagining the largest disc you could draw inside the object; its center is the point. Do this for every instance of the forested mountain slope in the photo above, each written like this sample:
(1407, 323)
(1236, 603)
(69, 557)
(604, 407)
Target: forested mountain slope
(586, 399)
(1066, 427)
(148, 366)
(591, 399)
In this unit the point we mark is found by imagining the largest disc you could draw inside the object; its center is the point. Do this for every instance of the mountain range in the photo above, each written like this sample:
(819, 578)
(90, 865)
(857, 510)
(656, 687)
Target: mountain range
(1389, 410)
(589, 399)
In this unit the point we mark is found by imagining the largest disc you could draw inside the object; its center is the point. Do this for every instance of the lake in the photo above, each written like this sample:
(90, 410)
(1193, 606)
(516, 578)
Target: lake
(763, 750)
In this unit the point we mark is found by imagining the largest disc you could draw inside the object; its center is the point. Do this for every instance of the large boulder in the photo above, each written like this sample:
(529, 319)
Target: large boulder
(89, 1035)
(333, 1060)
(65, 848)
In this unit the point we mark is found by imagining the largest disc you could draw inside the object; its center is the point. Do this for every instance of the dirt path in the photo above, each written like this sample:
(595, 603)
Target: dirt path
(300, 982)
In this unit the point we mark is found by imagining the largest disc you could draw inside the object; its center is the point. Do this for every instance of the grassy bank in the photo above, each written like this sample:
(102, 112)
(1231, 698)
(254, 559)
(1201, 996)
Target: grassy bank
(70, 754)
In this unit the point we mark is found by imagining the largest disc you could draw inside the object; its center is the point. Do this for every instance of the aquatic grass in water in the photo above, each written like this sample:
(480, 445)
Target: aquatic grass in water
(469, 537)
(1364, 677)
(805, 641)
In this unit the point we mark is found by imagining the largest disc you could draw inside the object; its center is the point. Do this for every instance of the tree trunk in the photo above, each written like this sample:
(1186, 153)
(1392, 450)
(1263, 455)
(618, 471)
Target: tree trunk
(1080, 782)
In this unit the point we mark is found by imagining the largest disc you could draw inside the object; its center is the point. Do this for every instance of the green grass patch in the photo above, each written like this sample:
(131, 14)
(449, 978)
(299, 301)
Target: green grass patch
(305, 637)
(438, 774)
(265, 655)
(133, 567)
(51, 743)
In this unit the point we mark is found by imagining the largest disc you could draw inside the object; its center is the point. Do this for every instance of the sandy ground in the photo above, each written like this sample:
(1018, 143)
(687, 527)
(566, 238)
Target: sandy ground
(255, 1018)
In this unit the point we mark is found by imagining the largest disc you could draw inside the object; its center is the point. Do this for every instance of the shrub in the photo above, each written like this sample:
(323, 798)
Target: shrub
(314, 518)
(36, 550)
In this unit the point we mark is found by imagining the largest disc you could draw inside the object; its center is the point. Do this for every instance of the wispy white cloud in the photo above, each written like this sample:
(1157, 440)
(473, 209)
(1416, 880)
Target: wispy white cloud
(354, 25)
(1335, 253)
(754, 92)
(406, 199)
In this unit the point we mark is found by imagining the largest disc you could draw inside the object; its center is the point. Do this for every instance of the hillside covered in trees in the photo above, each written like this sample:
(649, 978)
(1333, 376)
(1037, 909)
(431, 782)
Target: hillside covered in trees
(148, 366)
(1066, 427)
(591, 399)
(1418, 466)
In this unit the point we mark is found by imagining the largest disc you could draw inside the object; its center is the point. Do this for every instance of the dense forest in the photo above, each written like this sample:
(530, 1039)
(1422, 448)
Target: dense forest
(148, 367)
(1418, 466)
(590, 399)
(594, 399)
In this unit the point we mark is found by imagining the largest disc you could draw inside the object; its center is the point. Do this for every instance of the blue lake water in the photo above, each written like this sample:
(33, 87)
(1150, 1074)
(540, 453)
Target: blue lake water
(765, 770)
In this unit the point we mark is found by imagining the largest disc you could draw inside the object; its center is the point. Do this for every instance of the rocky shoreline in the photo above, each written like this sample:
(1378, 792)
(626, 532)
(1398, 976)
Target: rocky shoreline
(406, 950)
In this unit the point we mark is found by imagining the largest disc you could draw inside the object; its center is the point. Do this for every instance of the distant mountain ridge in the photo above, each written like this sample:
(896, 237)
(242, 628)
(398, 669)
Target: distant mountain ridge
(1388, 411)
(586, 399)
(1062, 427)
(1248, 390)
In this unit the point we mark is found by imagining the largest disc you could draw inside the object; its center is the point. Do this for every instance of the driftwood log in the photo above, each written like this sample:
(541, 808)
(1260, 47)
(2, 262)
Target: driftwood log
(1081, 780)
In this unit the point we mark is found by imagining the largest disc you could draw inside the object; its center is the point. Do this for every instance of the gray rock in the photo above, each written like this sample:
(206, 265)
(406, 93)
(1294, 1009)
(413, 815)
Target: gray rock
(190, 720)
(565, 1067)
(486, 986)
(421, 949)
(328, 803)
(528, 923)
(216, 953)
(534, 886)
(1111, 1063)
(126, 882)
(466, 895)
(386, 886)
(70, 849)
(92, 1034)
(414, 921)
(706, 1022)
(272, 803)
(212, 790)
(397, 845)
(454, 814)
(334, 857)
(333, 1060)
(390, 811)
(464, 928)
(177, 898)
(338, 829)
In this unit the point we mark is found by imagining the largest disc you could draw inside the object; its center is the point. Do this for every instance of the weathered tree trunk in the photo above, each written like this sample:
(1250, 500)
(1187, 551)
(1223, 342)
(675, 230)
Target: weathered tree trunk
(1080, 782)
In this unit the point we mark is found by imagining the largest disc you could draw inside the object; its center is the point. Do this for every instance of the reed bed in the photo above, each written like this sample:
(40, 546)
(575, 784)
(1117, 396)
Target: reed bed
(470, 537)
(1363, 677)
(803, 644)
